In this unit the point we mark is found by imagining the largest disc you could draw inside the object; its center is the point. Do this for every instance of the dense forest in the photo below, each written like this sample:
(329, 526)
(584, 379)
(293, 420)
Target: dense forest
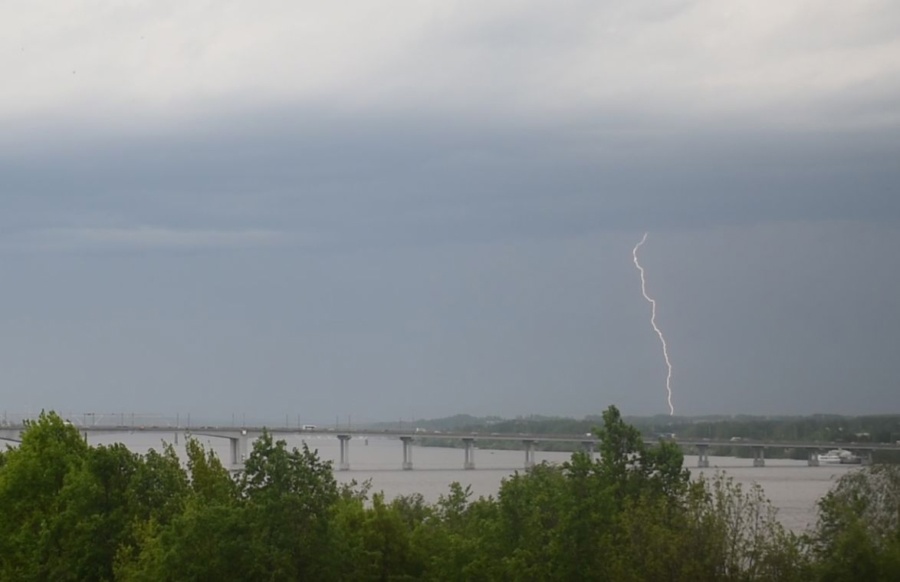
(71, 511)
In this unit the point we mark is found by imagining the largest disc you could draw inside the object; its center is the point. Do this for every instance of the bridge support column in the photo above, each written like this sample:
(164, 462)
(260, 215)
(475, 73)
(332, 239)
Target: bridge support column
(469, 446)
(407, 453)
(865, 457)
(238, 449)
(759, 457)
(813, 460)
(588, 447)
(703, 456)
(529, 453)
(344, 462)
(234, 447)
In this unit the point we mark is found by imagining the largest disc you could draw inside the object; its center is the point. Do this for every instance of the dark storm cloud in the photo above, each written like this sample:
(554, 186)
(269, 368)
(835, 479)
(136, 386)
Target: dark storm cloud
(418, 181)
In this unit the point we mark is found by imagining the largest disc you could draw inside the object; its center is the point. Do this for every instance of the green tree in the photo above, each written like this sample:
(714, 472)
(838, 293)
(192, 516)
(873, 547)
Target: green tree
(209, 479)
(33, 476)
(633, 468)
(460, 539)
(95, 514)
(159, 488)
(289, 496)
(387, 541)
(182, 526)
(858, 533)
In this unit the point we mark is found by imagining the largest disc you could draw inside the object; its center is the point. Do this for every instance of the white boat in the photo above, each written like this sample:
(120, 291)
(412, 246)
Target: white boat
(838, 457)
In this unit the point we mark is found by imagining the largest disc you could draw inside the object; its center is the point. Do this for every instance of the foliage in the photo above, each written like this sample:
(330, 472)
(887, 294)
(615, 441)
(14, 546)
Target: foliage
(858, 534)
(32, 483)
(75, 512)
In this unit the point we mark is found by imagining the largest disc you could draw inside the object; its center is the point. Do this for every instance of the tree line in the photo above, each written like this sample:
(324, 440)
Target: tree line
(71, 511)
(825, 428)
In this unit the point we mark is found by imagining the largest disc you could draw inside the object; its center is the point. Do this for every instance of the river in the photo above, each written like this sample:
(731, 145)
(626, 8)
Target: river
(792, 486)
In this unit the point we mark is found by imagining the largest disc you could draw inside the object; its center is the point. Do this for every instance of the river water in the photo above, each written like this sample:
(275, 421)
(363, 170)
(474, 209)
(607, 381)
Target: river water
(792, 486)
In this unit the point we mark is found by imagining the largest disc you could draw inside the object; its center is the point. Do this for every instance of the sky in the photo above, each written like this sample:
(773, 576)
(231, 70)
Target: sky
(410, 209)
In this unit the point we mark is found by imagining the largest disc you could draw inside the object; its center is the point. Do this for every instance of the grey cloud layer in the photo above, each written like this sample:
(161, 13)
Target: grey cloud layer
(398, 180)
(408, 208)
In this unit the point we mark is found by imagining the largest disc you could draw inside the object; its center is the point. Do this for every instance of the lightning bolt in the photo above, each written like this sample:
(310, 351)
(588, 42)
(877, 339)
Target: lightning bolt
(662, 339)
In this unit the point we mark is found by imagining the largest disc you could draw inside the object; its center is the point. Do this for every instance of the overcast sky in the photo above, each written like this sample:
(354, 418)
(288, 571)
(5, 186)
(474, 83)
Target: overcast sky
(404, 209)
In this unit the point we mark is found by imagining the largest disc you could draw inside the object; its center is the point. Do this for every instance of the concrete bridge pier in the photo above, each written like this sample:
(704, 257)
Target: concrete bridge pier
(407, 453)
(344, 462)
(813, 459)
(469, 460)
(703, 456)
(588, 447)
(759, 457)
(865, 457)
(529, 453)
(238, 447)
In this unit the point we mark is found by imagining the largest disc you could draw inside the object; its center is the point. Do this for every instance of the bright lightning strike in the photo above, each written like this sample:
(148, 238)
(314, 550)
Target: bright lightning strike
(662, 340)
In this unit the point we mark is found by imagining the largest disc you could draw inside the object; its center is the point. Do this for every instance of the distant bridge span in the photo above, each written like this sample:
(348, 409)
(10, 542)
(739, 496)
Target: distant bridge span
(240, 437)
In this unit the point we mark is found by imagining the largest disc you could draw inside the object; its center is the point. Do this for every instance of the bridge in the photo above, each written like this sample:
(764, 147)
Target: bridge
(239, 439)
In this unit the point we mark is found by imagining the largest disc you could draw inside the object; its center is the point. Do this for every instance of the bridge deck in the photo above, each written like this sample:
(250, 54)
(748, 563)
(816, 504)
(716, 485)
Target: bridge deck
(235, 432)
